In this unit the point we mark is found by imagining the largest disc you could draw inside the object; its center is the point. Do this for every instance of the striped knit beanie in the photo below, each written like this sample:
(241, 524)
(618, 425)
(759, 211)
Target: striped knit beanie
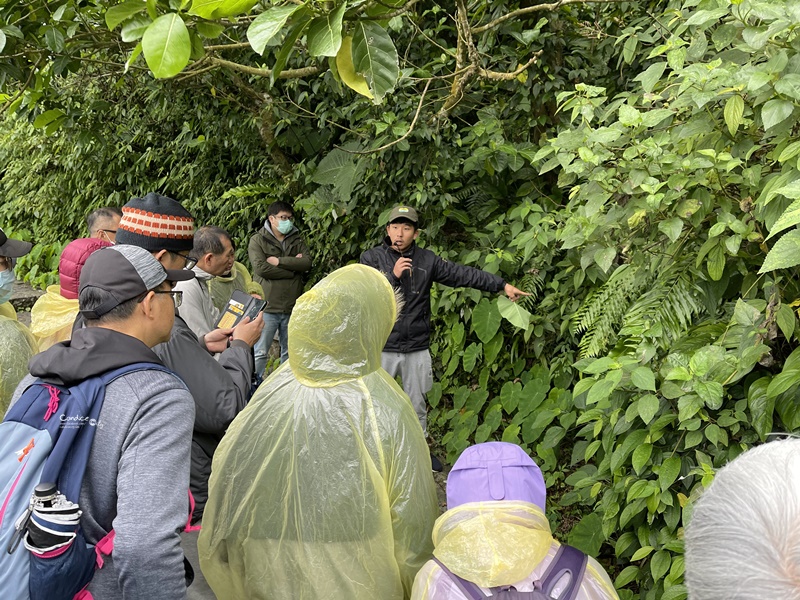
(155, 223)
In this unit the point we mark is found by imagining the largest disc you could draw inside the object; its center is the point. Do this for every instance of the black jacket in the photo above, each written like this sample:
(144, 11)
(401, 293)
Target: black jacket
(220, 390)
(412, 331)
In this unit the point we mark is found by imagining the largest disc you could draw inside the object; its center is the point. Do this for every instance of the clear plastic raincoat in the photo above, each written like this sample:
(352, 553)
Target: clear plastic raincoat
(239, 279)
(52, 318)
(322, 487)
(494, 544)
(7, 310)
(17, 346)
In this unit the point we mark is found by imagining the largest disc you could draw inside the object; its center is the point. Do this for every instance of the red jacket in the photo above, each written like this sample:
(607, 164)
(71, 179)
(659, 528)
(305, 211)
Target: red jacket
(72, 260)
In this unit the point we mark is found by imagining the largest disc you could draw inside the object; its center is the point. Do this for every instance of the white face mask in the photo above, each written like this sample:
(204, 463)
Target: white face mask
(6, 285)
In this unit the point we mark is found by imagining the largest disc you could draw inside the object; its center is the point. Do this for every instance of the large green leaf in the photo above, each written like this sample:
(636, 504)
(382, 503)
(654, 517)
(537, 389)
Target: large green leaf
(650, 77)
(761, 407)
(268, 24)
(782, 382)
(216, 9)
(776, 111)
(486, 320)
(347, 71)
(789, 218)
(134, 29)
(2, 40)
(471, 354)
(604, 257)
(784, 254)
(513, 312)
(734, 109)
(587, 536)
(205, 8)
(786, 321)
(644, 379)
(288, 47)
(789, 85)
(121, 12)
(232, 8)
(375, 57)
(325, 33)
(669, 471)
(167, 46)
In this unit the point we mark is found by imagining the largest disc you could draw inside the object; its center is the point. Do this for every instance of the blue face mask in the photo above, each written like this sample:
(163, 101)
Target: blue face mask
(6, 285)
(285, 227)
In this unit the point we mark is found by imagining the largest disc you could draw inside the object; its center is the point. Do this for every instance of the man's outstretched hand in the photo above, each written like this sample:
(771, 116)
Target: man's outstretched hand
(513, 293)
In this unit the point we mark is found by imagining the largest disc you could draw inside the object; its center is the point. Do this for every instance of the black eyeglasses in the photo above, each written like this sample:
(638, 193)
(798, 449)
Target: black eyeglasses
(190, 262)
(177, 296)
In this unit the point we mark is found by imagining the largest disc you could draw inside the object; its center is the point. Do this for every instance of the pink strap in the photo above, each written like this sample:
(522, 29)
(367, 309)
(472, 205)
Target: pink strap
(52, 406)
(84, 595)
(189, 527)
(103, 548)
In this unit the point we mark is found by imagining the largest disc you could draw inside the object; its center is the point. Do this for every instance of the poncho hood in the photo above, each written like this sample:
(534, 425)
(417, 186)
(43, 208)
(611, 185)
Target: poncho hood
(339, 327)
(492, 543)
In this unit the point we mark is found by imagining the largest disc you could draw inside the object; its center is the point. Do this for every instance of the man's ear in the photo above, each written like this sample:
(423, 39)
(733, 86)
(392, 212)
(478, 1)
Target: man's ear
(159, 254)
(146, 305)
(416, 233)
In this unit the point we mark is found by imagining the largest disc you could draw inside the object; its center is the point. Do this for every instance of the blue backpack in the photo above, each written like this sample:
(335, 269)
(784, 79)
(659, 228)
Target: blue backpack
(45, 440)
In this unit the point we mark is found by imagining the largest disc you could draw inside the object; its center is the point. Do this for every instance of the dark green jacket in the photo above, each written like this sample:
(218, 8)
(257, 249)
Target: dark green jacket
(282, 284)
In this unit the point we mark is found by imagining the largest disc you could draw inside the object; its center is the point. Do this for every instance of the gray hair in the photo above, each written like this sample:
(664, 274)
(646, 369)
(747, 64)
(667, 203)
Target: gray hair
(207, 240)
(101, 216)
(743, 541)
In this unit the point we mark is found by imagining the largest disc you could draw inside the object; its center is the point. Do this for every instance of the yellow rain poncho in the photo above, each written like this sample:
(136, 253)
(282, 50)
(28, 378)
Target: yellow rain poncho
(322, 487)
(52, 318)
(239, 279)
(494, 544)
(7, 310)
(17, 346)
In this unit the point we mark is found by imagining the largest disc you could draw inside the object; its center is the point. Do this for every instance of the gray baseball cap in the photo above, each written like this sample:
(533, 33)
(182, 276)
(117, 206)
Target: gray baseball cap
(13, 248)
(125, 272)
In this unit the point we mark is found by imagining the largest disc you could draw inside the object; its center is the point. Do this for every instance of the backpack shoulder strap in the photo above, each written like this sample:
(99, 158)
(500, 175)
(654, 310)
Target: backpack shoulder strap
(469, 589)
(567, 561)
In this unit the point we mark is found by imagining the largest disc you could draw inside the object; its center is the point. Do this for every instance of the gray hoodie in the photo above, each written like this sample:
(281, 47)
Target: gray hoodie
(137, 478)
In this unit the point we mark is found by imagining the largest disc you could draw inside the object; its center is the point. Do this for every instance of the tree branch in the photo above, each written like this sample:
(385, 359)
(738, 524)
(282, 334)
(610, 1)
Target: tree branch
(400, 139)
(532, 9)
(285, 74)
(228, 46)
(498, 76)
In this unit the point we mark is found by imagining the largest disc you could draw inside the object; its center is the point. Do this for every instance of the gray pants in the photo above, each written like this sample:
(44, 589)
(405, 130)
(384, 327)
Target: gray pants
(416, 373)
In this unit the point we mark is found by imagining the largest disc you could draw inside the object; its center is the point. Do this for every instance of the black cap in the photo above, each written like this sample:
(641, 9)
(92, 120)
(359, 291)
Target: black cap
(13, 248)
(125, 272)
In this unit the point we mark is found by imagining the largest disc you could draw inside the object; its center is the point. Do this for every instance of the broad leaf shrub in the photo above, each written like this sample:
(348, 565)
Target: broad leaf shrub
(658, 346)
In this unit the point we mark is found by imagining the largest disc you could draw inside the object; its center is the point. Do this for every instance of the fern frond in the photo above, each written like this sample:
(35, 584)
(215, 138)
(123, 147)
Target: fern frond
(594, 305)
(477, 201)
(247, 191)
(602, 311)
(671, 304)
(533, 284)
